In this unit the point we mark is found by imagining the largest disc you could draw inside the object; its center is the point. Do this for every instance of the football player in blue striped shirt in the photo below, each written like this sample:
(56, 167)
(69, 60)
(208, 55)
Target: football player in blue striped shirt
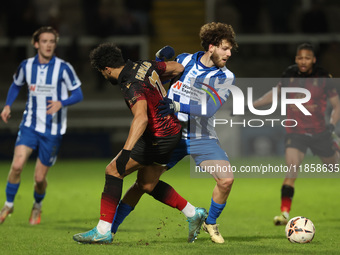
(49, 80)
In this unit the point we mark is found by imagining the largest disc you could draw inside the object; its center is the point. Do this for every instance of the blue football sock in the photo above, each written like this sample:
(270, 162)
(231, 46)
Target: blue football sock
(38, 197)
(11, 191)
(214, 212)
(122, 211)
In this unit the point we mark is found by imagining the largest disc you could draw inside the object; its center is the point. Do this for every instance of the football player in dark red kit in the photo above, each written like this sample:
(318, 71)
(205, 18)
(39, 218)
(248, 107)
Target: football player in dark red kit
(151, 138)
(311, 131)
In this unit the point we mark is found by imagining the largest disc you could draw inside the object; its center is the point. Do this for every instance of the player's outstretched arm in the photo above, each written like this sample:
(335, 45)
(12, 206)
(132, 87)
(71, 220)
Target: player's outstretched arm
(172, 70)
(265, 99)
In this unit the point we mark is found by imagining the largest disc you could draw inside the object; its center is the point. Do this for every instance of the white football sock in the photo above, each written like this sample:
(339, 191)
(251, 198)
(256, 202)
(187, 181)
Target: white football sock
(9, 204)
(37, 205)
(103, 227)
(189, 210)
(286, 215)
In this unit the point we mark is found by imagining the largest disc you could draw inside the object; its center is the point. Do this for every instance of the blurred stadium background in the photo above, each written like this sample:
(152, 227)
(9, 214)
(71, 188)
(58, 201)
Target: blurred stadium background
(268, 32)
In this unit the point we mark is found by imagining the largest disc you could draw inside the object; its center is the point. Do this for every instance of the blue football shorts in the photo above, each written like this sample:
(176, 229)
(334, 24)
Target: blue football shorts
(199, 149)
(47, 146)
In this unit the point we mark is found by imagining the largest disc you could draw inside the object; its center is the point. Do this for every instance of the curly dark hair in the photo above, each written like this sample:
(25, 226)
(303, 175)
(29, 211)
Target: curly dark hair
(213, 33)
(106, 55)
(37, 33)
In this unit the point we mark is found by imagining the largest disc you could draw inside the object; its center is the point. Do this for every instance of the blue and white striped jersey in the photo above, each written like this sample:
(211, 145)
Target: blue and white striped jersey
(50, 81)
(198, 79)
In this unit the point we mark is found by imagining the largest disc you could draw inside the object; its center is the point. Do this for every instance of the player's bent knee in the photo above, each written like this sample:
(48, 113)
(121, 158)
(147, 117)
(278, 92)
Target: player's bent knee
(16, 169)
(225, 184)
(145, 187)
(293, 164)
(39, 181)
(112, 170)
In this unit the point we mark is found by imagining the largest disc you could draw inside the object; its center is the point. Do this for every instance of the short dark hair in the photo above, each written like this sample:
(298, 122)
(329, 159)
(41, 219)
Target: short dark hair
(38, 32)
(305, 46)
(106, 55)
(213, 33)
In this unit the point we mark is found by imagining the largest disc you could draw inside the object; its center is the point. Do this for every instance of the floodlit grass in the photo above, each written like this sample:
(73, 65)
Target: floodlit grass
(73, 199)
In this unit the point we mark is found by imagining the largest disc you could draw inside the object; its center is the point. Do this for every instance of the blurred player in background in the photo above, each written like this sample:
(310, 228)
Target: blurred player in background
(311, 131)
(49, 79)
(202, 144)
(151, 139)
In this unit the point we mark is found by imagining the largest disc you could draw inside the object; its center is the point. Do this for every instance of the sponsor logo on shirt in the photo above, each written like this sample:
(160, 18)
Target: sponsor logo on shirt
(42, 89)
(178, 85)
(32, 87)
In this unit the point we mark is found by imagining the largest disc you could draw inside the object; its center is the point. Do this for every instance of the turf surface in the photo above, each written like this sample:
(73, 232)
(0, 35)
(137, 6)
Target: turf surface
(73, 199)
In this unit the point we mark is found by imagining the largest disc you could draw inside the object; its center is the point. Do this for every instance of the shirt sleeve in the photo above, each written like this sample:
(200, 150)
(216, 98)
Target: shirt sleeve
(160, 67)
(76, 96)
(70, 77)
(134, 94)
(19, 76)
(12, 94)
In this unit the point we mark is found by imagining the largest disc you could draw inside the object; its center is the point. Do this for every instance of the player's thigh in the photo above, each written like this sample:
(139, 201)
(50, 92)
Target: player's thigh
(21, 155)
(207, 149)
(181, 150)
(219, 169)
(48, 150)
(299, 142)
(26, 142)
(150, 149)
(148, 176)
(332, 162)
(323, 145)
(294, 158)
(131, 166)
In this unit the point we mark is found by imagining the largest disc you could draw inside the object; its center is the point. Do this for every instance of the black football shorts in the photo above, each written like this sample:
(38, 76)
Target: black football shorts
(320, 144)
(150, 149)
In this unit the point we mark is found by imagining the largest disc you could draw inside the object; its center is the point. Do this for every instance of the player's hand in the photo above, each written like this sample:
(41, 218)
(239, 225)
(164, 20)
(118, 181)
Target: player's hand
(168, 107)
(166, 52)
(122, 160)
(53, 106)
(6, 113)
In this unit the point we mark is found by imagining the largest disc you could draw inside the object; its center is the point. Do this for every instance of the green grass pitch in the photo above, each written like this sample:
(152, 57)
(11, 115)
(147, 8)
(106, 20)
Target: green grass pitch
(73, 199)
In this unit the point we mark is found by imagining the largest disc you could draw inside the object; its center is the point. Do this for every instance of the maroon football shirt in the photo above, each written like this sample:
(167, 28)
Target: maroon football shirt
(320, 86)
(140, 81)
